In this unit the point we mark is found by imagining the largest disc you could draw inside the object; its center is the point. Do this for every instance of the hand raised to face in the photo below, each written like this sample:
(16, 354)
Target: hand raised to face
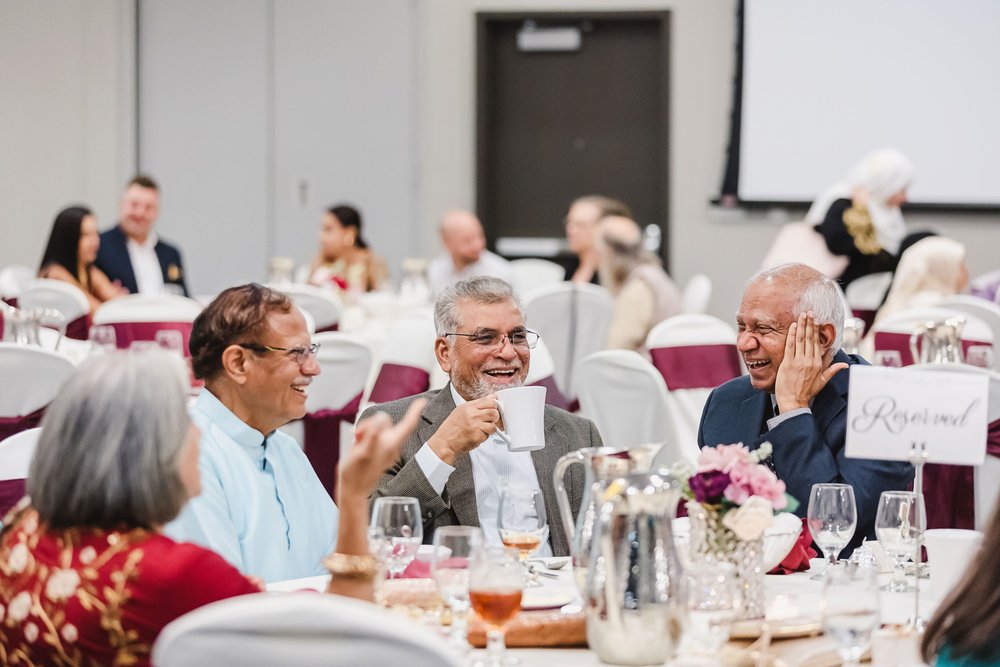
(803, 372)
(467, 427)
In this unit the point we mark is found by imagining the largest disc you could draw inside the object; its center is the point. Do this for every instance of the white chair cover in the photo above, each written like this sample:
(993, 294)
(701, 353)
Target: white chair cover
(324, 306)
(305, 629)
(697, 294)
(57, 295)
(987, 311)
(407, 355)
(893, 333)
(799, 242)
(147, 308)
(627, 399)
(709, 358)
(530, 274)
(13, 280)
(32, 378)
(574, 319)
(16, 453)
(542, 372)
(867, 292)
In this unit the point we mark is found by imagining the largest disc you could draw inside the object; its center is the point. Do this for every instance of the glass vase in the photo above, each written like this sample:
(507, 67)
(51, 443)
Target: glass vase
(713, 542)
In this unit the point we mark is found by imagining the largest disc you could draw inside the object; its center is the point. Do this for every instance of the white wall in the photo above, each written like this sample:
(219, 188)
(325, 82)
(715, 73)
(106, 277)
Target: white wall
(66, 115)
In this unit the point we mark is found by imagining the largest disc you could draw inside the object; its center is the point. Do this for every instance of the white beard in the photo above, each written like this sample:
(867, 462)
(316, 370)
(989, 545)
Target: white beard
(483, 387)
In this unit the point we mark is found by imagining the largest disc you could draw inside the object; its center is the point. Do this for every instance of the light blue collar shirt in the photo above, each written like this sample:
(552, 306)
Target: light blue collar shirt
(261, 506)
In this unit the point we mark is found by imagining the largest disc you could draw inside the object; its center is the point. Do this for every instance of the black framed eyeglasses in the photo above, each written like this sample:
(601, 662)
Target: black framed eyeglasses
(298, 354)
(522, 338)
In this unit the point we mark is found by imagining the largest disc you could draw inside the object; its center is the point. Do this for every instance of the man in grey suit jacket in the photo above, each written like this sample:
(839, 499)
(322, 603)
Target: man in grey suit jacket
(453, 464)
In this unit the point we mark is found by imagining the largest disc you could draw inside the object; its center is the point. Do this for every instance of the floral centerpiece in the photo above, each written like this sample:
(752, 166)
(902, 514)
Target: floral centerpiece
(732, 499)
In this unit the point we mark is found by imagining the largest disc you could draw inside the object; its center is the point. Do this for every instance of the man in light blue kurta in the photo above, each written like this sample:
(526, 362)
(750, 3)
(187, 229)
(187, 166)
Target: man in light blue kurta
(261, 506)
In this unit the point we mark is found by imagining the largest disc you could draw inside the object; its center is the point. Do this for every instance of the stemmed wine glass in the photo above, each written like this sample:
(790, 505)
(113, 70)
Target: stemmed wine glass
(396, 532)
(850, 610)
(496, 581)
(899, 522)
(171, 341)
(521, 520)
(102, 338)
(832, 519)
(453, 548)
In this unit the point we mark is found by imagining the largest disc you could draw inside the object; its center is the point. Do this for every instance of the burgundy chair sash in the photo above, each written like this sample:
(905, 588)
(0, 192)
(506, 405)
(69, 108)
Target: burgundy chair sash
(696, 366)
(865, 315)
(399, 381)
(900, 342)
(330, 327)
(949, 490)
(79, 328)
(322, 440)
(553, 395)
(128, 332)
(11, 491)
(12, 425)
(11, 301)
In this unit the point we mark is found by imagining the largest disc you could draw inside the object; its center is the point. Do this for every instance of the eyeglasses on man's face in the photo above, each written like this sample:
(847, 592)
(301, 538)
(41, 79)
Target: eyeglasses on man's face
(490, 338)
(299, 355)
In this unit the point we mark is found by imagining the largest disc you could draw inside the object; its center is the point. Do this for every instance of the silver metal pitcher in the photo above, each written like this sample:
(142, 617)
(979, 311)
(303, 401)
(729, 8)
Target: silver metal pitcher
(633, 587)
(599, 464)
(938, 342)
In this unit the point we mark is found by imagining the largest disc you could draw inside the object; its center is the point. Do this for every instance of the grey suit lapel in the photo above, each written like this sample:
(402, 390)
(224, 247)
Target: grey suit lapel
(461, 486)
(544, 461)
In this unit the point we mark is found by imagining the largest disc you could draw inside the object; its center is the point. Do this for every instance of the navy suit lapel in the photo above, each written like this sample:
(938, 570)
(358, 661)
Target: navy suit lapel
(125, 269)
(831, 401)
(751, 419)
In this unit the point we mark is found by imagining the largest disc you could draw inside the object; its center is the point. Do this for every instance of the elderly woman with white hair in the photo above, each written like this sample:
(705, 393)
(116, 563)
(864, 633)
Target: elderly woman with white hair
(86, 576)
(859, 217)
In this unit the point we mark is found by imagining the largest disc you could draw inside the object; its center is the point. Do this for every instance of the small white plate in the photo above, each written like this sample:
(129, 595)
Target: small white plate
(545, 598)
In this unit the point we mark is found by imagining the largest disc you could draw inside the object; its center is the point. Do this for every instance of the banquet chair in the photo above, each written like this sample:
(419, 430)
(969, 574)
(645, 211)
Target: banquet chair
(627, 399)
(694, 354)
(985, 285)
(865, 295)
(574, 319)
(15, 459)
(69, 301)
(13, 280)
(964, 496)
(529, 274)
(407, 358)
(305, 629)
(33, 378)
(138, 317)
(987, 311)
(542, 373)
(333, 402)
(697, 294)
(323, 305)
(891, 336)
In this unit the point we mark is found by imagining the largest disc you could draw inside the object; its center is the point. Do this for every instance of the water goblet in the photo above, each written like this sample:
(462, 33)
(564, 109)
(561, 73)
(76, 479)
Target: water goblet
(712, 602)
(395, 532)
(832, 518)
(521, 520)
(850, 610)
(171, 341)
(979, 355)
(102, 338)
(453, 548)
(899, 522)
(496, 582)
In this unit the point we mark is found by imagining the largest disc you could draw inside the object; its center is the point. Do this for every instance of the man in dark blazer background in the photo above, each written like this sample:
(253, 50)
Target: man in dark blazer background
(131, 254)
(453, 464)
(790, 323)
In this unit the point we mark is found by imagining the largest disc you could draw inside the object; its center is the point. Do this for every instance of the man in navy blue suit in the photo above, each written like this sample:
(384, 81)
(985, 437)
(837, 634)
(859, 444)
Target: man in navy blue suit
(131, 254)
(790, 324)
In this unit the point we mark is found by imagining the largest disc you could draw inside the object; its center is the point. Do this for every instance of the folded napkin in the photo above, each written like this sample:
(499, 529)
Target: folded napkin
(798, 557)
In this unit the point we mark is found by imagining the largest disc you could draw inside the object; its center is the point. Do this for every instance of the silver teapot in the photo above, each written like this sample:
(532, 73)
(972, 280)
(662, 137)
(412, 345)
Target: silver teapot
(632, 593)
(599, 464)
(938, 342)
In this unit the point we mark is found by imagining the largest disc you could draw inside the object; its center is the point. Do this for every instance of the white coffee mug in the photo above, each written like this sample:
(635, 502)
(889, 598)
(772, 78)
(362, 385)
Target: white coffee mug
(949, 552)
(523, 413)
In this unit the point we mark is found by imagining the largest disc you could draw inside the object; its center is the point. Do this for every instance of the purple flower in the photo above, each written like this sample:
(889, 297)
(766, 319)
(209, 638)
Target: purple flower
(709, 486)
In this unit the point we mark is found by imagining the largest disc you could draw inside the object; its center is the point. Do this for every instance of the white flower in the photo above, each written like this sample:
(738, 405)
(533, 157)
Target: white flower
(19, 606)
(87, 555)
(751, 519)
(69, 633)
(61, 585)
(30, 632)
(18, 559)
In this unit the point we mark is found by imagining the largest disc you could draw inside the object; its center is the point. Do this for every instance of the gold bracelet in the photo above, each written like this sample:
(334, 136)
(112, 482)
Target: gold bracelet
(347, 566)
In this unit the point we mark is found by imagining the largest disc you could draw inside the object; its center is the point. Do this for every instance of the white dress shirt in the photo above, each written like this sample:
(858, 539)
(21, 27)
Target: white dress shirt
(494, 467)
(441, 272)
(145, 265)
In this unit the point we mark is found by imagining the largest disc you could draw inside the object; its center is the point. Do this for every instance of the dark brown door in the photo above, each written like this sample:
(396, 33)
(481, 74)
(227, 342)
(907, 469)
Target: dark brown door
(554, 125)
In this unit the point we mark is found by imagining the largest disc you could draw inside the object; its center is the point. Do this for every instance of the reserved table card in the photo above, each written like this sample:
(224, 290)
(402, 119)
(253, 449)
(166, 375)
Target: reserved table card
(889, 410)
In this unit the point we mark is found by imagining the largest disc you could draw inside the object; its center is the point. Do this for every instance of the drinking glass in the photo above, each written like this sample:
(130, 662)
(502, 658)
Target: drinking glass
(832, 518)
(899, 522)
(888, 358)
(396, 532)
(521, 520)
(496, 581)
(850, 610)
(979, 355)
(712, 601)
(453, 547)
(171, 341)
(143, 346)
(102, 338)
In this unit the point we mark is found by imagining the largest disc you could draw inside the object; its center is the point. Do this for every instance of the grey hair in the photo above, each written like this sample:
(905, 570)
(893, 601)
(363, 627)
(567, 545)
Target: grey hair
(820, 294)
(481, 289)
(110, 442)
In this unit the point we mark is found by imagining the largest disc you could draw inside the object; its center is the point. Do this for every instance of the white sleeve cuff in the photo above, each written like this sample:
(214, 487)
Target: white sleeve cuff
(435, 470)
(773, 422)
